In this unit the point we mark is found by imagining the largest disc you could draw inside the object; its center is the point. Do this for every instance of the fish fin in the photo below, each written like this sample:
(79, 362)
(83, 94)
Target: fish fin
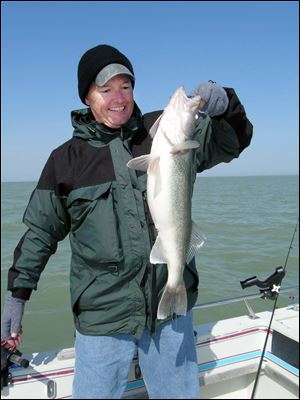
(156, 255)
(184, 146)
(154, 127)
(196, 242)
(154, 165)
(173, 301)
(140, 163)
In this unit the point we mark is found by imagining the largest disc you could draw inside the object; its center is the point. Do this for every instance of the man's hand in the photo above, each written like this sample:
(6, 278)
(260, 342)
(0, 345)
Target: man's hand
(12, 315)
(214, 100)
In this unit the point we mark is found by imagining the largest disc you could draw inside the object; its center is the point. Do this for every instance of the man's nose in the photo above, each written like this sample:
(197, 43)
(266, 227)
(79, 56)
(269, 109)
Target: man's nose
(119, 95)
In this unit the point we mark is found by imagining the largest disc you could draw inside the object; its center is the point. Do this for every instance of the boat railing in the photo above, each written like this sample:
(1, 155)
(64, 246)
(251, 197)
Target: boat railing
(245, 299)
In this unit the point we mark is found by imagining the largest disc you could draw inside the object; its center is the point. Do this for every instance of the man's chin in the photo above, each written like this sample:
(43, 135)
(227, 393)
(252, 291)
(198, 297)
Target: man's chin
(118, 122)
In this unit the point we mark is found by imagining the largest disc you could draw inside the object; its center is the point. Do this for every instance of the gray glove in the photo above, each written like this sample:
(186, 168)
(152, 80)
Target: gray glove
(215, 97)
(12, 315)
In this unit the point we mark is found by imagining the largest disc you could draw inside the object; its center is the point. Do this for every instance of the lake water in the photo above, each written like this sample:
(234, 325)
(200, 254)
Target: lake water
(248, 221)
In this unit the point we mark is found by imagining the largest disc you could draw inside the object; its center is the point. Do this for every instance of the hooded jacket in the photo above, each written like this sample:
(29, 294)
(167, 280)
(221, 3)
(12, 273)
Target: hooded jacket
(87, 192)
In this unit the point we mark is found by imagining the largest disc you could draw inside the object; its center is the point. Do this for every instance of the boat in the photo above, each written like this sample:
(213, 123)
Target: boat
(238, 358)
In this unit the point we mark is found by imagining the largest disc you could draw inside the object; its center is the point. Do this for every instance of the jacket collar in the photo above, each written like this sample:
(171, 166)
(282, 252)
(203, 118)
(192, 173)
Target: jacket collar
(87, 128)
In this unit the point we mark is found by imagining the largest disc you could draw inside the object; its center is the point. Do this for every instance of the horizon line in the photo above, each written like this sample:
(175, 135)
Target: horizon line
(198, 174)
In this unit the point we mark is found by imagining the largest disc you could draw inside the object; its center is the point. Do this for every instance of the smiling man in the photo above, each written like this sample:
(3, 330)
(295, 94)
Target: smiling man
(110, 97)
(87, 191)
(111, 102)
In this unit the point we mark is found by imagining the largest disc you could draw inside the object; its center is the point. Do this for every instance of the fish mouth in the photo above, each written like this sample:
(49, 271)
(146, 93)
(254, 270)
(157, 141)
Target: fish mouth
(191, 103)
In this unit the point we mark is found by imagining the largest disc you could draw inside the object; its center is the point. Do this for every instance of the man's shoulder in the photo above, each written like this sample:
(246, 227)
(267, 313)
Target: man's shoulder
(72, 143)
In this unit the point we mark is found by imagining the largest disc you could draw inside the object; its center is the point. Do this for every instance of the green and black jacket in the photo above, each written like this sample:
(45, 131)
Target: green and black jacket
(87, 191)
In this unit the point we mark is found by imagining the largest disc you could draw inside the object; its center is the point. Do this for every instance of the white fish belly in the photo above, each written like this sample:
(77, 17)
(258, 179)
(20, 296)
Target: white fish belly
(169, 199)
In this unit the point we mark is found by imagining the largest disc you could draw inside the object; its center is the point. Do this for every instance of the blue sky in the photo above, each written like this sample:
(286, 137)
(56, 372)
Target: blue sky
(250, 46)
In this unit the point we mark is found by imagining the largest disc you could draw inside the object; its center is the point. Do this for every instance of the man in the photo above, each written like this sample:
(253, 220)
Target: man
(87, 191)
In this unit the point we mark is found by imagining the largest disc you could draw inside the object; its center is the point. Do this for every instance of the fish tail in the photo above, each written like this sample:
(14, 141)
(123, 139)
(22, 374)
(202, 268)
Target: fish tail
(173, 301)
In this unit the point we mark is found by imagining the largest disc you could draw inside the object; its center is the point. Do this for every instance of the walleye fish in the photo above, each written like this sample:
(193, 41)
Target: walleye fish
(169, 196)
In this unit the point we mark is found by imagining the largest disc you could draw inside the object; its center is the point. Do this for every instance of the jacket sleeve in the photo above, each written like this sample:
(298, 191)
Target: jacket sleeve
(224, 137)
(47, 223)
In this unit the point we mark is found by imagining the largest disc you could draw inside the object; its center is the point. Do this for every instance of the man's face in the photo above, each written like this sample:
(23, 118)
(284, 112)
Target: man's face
(112, 104)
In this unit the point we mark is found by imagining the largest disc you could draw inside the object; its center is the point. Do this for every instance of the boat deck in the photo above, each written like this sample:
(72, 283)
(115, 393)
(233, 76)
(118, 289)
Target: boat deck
(228, 353)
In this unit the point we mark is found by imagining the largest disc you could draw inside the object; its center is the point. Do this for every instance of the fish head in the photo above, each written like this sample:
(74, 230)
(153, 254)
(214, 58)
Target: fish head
(182, 111)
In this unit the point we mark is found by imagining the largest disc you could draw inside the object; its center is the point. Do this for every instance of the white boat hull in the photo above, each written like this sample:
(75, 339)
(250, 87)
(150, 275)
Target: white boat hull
(228, 352)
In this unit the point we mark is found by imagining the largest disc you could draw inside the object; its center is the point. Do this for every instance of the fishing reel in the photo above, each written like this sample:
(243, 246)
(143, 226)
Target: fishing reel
(270, 287)
(8, 358)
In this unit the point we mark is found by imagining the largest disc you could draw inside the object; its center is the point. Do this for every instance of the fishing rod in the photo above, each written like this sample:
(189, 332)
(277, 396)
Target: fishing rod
(276, 291)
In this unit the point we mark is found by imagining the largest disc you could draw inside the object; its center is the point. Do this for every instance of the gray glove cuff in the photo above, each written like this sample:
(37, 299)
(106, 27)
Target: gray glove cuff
(215, 97)
(12, 315)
